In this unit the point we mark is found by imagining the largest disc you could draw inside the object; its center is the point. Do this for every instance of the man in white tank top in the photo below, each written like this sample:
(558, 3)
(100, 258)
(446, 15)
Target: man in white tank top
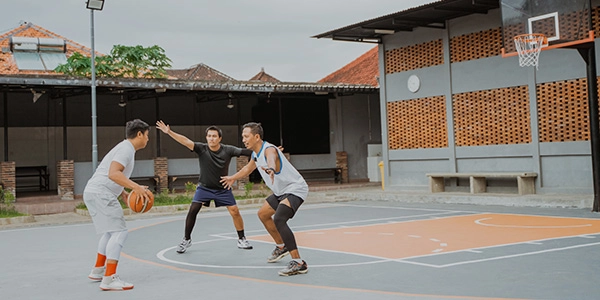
(289, 191)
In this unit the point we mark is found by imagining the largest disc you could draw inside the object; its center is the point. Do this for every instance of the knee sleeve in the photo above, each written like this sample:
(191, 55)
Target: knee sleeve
(282, 215)
(115, 244)
(103, 242)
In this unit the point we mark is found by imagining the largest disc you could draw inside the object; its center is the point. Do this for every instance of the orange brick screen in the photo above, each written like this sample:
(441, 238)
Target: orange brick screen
(417, 123)
(414, 57)
(563, 111)
(476, 45)
(492, 117)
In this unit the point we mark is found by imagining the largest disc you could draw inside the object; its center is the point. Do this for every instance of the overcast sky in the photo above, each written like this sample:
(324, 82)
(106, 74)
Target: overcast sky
(236, 37)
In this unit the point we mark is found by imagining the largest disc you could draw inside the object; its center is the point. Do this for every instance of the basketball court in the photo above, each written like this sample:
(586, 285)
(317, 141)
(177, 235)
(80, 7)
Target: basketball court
(355, 250)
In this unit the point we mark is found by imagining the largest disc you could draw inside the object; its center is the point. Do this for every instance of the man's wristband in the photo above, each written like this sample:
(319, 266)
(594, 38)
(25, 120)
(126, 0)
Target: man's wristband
(271, 170)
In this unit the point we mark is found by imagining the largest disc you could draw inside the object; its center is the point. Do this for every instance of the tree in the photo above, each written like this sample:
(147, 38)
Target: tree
(123, 61)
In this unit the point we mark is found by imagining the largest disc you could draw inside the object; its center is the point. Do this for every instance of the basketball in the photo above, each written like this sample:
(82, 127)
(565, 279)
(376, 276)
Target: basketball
(139, 205)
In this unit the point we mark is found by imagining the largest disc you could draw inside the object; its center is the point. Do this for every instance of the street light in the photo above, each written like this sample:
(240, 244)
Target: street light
(94, 5)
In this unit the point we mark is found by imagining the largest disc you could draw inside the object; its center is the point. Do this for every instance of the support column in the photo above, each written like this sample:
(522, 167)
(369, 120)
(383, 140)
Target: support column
(7, 176)
(241, 161)
(65, 177)
(161, 170)
(341, 161)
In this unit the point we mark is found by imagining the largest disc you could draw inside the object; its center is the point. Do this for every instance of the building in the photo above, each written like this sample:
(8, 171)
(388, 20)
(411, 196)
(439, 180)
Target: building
(450, 101)
(46, 124)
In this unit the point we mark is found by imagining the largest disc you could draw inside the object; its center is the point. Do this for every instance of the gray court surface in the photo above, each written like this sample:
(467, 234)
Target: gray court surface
(52, 262)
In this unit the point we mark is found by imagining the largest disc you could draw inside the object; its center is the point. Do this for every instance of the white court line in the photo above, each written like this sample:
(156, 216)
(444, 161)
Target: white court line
(480, 222)
(161, 256)
(503, 257)
(355, 223)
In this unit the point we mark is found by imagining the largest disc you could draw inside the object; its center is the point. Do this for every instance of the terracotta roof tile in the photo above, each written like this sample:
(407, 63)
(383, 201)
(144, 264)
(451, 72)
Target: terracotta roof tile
(363, 70)
(7, 62)
(264, 77)
(199, 72)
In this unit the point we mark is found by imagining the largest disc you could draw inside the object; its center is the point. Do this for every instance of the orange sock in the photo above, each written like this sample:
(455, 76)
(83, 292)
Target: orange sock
(100, 260)
(111, 269)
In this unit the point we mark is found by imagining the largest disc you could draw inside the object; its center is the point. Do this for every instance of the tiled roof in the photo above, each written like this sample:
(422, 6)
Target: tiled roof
(363, 70)
(264, 77)
(27, 29)
(199, 72)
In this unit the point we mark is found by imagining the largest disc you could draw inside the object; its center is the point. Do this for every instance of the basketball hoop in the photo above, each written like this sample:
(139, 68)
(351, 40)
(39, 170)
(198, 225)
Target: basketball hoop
(529, 47)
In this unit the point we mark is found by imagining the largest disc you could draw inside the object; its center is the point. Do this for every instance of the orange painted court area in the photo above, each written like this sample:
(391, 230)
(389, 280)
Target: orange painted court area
(398, 240)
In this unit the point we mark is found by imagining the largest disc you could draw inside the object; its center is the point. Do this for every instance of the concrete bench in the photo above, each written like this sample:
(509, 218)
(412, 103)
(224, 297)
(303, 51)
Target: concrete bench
(477, 181)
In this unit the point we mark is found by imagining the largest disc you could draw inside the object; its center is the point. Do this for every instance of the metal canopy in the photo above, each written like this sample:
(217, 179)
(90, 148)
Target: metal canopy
(432, 15)
(74, 85)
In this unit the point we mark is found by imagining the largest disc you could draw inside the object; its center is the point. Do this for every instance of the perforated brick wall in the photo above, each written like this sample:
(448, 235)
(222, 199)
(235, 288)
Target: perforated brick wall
(418, 123)
(476, 45)
(563, 111)
(414, 57)
(492, 117)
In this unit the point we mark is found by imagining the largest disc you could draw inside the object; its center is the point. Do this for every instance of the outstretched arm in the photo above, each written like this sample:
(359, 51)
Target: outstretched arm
(182, 139)
(228, 181)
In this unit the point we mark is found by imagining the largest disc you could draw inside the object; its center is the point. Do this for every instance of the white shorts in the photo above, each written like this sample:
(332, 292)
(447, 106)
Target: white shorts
(105, 210)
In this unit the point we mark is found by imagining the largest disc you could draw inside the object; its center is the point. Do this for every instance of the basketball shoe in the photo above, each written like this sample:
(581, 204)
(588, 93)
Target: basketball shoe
(114, 283)
(244, 244)
(294, 268)
(96, 274)
(184, 245)
(278, 254)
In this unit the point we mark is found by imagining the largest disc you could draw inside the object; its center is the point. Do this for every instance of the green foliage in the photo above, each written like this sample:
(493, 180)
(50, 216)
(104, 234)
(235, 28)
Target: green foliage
(123, 61)
(190, 187)
(7, 209)
(248, 189)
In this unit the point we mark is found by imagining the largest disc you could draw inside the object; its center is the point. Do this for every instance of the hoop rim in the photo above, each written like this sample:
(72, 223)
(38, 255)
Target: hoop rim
(532, 37)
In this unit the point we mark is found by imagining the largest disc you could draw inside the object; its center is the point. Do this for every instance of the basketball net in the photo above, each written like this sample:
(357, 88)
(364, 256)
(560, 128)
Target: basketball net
(529, 47)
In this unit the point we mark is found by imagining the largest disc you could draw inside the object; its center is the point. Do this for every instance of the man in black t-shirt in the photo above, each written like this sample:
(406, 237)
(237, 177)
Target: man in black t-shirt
(214, 159)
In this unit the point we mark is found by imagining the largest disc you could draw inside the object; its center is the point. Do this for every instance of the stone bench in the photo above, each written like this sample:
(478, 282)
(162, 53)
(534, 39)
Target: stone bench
(477, 181)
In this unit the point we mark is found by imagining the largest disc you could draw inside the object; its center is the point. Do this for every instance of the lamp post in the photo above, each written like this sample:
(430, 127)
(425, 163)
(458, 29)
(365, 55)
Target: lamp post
(93, 5)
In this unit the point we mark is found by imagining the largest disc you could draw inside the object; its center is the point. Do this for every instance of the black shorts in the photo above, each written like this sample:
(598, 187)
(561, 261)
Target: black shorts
(294, 200)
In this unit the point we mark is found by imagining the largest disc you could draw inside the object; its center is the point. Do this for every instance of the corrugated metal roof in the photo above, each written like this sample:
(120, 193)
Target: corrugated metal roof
(433, 14)
(185, 85)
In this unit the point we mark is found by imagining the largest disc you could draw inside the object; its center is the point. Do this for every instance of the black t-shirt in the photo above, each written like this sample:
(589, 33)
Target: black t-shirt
(214, 164)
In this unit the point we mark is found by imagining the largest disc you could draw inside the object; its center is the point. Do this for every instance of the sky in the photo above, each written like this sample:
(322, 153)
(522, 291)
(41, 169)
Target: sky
(236, 37)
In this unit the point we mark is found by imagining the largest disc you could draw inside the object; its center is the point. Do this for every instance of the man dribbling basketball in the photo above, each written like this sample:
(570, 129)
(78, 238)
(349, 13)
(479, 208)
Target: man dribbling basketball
(101, 198)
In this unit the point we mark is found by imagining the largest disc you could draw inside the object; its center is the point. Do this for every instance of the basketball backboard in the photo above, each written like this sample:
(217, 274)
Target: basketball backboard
(565, 23)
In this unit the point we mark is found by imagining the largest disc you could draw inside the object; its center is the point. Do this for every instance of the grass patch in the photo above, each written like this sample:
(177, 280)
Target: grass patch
(165, 199)
(9, 212)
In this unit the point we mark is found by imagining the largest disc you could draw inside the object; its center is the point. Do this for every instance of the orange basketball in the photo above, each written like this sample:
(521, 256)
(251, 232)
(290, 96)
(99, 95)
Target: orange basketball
(137, 204)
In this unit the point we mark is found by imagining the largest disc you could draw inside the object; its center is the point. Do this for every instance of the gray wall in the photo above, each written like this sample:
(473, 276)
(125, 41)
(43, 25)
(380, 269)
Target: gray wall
(562, 167)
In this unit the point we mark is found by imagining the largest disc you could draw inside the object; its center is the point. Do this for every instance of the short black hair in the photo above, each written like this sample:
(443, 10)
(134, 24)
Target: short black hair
(134, 126)
(215, 128)
(255, 128)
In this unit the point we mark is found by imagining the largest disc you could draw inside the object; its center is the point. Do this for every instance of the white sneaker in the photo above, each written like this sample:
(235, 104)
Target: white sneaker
(114, 283)
(184, 245)
(244, 244)
(96, 274)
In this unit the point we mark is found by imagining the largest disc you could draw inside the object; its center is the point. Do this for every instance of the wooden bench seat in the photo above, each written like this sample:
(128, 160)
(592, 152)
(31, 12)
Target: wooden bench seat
(150, 181)
(32, 177)
(322, 173)
(477, 181)
(182, 178)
